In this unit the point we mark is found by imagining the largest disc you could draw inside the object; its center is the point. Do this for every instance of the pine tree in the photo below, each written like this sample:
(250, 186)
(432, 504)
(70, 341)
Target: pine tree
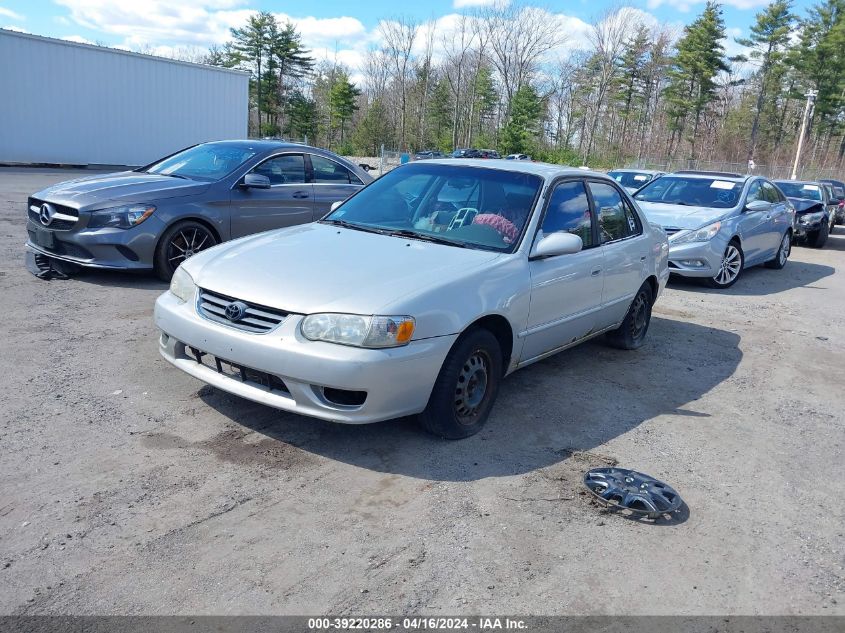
(768, 42)
(521, 130)
(342, 100)
(289, 58)
(632, 80)
(251, 42)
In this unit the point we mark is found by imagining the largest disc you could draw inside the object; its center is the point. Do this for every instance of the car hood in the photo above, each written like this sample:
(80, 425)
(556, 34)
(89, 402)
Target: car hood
(323, 268)
(803, 205)
(128, 186)
(681, 216)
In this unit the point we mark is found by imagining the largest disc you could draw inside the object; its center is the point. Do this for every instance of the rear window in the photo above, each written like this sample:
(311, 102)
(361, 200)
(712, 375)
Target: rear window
(716, 193)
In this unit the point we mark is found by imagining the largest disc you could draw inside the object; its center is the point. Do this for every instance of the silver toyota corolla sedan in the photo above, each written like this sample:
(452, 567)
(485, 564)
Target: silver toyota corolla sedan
(419, 293)
(719, 223)
(157, 216)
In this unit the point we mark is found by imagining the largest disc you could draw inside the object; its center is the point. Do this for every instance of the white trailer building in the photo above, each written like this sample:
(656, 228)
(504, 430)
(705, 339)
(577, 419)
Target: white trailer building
(77, 104)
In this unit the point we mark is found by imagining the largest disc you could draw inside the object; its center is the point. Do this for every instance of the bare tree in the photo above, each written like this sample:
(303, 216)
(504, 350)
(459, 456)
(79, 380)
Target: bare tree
(399, 36)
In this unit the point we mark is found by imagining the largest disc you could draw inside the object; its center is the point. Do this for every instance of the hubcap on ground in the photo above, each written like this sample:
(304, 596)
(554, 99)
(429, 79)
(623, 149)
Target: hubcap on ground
(640, 313)
(186, 244)
(471, 387)
(731, 263)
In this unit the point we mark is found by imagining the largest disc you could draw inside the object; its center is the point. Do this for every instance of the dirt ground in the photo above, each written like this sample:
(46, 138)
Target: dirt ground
(127, 487)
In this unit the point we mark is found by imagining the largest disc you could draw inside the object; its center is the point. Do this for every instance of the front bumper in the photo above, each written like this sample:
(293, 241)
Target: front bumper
(397, 381)
(800, 229)
(697, 259)
(117, 249)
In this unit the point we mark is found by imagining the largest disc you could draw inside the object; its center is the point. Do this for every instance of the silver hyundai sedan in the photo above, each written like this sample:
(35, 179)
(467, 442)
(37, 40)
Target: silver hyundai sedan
(719, 223)
(419, 293)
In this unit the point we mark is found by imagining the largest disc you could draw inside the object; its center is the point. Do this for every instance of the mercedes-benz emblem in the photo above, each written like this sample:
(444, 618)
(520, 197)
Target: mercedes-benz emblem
(235, 311)
(46, 214)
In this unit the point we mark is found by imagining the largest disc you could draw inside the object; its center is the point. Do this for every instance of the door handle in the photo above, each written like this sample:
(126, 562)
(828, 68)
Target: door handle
(300, 194)
(596, 272)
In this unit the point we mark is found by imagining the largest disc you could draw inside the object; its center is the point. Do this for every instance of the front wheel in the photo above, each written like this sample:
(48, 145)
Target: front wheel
(730, 267)
(466, 387)
(817, 239)
(782, 255)
(178, 243)
(631, 334)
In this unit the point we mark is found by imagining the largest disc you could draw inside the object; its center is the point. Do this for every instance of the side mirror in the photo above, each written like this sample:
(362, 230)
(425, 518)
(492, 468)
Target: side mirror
(335, 205)
(758, 205)
(559, 243)
(256, 181)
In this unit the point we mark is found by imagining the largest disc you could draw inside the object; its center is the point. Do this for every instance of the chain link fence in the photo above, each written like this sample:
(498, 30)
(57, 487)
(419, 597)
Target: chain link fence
(806, 172)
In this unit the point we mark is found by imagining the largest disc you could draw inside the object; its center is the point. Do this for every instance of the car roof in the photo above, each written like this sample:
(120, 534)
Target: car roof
(710, 175)
(799, 182)
(546, 170)
(634, 170)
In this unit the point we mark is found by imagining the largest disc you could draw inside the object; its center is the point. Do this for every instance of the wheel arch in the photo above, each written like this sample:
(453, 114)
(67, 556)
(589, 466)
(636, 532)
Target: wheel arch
(501, 328)
(190, 218)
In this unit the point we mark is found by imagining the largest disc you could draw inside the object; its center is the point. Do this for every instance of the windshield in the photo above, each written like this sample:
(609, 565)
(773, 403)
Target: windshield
(800, 190)
(630, 179)
(695, 191)
(464, 206)
(209, 162)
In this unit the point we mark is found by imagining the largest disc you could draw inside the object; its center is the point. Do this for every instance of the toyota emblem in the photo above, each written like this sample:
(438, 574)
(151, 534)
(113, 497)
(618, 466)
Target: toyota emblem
(46, 214)
(235, 311)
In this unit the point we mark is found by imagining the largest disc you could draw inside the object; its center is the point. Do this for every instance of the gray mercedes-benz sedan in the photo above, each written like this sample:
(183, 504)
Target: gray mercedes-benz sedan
(418, 294)
(159, 215)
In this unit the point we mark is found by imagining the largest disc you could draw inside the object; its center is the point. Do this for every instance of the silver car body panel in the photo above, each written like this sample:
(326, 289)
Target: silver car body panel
(549, 304)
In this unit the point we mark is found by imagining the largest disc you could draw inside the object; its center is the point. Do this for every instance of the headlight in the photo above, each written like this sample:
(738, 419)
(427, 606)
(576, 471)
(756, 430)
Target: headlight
(121, 217)
(811, 218)
(704, 234)
(357, 330)
(182, 285)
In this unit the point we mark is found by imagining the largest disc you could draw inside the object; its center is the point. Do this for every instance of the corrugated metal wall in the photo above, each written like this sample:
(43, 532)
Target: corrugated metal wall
(69, 103)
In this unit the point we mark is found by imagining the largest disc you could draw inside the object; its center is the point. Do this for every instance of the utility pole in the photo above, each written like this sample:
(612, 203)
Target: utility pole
(811, 98)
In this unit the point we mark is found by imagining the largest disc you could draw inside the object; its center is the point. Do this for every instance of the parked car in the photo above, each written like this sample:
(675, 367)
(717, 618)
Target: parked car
(838, 194)
(489, 153)
(517, 157)
(718, 225)
(815, 210)
(633, 179)
(157, 216)
(466, 153)
(428, 154)
(419, 293)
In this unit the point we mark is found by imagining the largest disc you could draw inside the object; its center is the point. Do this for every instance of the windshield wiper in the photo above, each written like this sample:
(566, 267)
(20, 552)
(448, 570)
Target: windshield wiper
(174, 176)
(426, 237)
(356, 227)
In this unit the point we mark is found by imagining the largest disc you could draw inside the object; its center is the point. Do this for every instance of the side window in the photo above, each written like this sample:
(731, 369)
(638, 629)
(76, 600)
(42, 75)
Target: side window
(632, 220)
(569, 210)
(755, 192)
(770, 194)
(328, 171)
(612, 220)
(283, 170)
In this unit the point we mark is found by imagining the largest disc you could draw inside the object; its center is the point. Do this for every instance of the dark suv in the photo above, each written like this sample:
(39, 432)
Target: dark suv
(838, 193)
(815, 211)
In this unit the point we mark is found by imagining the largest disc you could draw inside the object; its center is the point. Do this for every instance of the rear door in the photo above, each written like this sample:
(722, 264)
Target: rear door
(332, 183)
(566, 289)
(625, 251)
(288, 201)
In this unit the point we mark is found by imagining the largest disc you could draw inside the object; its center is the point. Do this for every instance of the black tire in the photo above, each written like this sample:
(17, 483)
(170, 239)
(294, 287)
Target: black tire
(178, 243)
(455, 408)
(817, 239)
(728, 273)
(782, 256)
(631, 334)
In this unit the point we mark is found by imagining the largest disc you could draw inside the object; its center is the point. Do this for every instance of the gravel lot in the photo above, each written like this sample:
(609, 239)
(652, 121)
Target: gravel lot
(127, 487)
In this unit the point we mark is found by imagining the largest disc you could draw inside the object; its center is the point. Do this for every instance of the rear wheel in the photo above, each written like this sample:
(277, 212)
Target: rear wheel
(730, 268)
(782, 255)
(466, 387)
(180, 242)
(631, 334)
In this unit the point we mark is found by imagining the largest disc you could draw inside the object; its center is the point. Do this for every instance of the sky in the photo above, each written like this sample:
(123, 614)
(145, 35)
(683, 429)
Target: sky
(333, 29)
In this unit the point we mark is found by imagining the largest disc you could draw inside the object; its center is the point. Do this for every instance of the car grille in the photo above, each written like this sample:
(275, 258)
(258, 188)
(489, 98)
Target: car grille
(238, 372)
(257, 318)
(671, 230)
(34, 210)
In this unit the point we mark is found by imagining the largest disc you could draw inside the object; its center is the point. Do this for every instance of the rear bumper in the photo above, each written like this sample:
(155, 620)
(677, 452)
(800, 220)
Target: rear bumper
(397, 381)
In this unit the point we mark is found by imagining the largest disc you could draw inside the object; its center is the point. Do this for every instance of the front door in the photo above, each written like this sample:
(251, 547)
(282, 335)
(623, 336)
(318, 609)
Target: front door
(754, 226)
(288, 201)
(566, 289)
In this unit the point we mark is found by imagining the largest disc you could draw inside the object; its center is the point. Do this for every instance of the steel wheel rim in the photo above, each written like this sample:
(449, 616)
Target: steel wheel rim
(186, 244)
(471, 388)
(785, 248)
(639, 311)
(731, 263)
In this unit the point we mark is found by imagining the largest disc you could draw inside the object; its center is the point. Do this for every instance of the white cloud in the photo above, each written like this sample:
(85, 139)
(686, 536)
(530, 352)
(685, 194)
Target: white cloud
(8, 13)
(78, 39)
